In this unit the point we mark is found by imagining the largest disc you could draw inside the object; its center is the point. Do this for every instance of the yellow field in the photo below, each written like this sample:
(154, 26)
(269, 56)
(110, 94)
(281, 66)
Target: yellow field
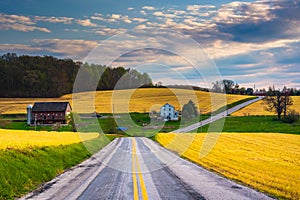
(267, 162)
(257, 108)
(145, 100)
(17, 139)
(140, 100)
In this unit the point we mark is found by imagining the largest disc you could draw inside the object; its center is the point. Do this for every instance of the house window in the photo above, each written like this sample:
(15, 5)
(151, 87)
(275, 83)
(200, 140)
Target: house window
(44, 117)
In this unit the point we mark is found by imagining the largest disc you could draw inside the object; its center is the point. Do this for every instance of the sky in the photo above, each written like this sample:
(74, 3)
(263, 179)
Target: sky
(254, 43)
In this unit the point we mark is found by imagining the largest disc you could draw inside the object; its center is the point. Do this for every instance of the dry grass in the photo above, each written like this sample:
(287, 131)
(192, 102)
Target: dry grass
(267, 162)
(257, 108)
(17, 139)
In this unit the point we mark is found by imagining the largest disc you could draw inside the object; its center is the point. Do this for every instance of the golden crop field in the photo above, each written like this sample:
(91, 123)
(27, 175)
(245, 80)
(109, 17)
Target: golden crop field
(19, 139)
(147, 99)
(140, 100)
(18, 105)
(267, 162)
(257, 108)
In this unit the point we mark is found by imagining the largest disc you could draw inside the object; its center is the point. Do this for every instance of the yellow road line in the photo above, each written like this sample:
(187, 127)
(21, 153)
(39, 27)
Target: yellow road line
(135, 160)
(135, 187)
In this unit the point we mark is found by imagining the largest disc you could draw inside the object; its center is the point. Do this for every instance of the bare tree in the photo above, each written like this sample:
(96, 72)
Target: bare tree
(278, 102)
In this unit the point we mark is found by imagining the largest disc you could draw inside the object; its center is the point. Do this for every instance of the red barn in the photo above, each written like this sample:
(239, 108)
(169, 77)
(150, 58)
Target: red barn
(50, 112)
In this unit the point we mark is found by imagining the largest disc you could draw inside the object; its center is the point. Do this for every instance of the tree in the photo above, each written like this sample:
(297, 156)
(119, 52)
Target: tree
(217, 86)
(277, 102)
(189, 110)
(249, 91)
(228, 85)
(224, 86)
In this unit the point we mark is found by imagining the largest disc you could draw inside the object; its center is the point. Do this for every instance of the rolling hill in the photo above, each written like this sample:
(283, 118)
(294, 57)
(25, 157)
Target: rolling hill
(139, 100)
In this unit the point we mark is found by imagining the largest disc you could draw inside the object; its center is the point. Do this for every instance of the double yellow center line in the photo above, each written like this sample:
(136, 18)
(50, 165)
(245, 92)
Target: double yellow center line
(136, 170)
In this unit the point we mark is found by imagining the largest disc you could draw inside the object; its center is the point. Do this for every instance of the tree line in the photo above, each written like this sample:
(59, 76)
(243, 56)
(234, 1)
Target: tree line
(47, 76)
(231, 87)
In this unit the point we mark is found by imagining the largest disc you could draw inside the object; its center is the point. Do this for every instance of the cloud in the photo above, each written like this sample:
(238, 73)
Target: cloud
(52, 19)
(19, 23)
(75, 49)
(200, 10)
(18, 48)
(130, 8)
(86, 22)
(106, 31)
(140, 20)
(143, 12)
(148, 8)
(259, 21)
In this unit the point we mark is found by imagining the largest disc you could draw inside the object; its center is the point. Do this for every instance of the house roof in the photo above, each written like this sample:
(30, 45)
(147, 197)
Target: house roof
(50, 106)
(168, 104)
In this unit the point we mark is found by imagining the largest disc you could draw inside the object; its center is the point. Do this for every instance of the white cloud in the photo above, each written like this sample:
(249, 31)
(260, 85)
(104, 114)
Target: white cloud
(200, 10)
(140, 20)
(105, 31)
(239, 12)
(76, 49)
(115, 16)
(143, 12)
(64, 20)
(148, 8)
(158, 14)
(22, 27)
(221, 49)
(130, 8)
(19, 23)
(86, 22)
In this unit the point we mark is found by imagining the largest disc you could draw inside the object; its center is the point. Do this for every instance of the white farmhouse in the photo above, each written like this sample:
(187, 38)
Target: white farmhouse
(168, 112)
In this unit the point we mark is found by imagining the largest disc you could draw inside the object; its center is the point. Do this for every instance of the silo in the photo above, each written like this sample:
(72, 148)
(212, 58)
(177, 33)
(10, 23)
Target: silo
(29, 114)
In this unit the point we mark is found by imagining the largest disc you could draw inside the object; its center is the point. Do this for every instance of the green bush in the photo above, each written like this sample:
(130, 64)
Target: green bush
(292, 117)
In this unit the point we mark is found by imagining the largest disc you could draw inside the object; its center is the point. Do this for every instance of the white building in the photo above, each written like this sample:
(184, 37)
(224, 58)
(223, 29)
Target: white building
(168, 112)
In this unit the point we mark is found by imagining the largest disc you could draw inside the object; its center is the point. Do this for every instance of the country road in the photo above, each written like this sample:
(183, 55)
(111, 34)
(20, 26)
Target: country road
(216, 117)
(138, 168)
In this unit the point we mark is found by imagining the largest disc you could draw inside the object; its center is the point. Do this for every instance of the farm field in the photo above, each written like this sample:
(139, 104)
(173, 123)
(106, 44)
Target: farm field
(140, 100)
(30, 158)
(257, 108)
(17, 139)
(267, 162)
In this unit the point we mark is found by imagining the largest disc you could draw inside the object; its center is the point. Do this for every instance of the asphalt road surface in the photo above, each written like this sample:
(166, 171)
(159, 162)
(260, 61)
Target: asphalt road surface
(138, 168)
(216, 117)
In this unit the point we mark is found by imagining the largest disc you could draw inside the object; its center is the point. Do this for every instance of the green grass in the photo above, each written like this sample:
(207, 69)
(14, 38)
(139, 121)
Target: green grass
(23, 170)
(266, 124)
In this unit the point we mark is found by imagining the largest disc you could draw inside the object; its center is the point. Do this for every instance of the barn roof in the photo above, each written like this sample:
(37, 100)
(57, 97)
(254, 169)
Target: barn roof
(50, 106)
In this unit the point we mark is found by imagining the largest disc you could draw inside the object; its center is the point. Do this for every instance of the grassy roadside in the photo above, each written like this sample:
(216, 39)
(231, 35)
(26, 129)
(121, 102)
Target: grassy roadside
(23, 170)
(263, 124)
